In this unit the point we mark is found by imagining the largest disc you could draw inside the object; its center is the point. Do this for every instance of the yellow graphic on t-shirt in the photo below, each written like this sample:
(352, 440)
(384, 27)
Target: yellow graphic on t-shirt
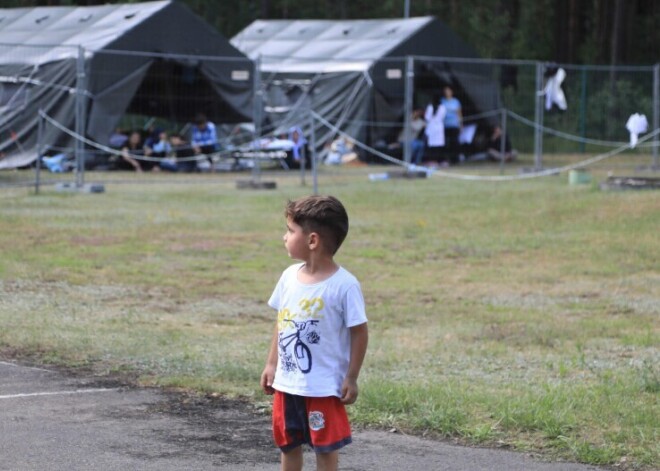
(310, 309)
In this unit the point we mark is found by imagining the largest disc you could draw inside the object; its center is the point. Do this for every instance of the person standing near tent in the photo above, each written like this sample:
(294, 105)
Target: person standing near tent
(204, 137)
(435, 129)
(453, 123)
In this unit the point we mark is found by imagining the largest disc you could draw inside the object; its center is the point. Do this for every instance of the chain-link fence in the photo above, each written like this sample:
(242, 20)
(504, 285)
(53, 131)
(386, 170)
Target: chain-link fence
(114, 110)
(375, 104)
(111, 110)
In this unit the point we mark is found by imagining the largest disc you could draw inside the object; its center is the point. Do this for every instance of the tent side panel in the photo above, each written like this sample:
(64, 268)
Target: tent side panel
(49, 89)
(109, 104)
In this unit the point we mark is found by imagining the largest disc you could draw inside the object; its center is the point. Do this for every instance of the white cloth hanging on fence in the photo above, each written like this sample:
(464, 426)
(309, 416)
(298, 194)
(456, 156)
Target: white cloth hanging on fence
(636, 125)
(553, 92)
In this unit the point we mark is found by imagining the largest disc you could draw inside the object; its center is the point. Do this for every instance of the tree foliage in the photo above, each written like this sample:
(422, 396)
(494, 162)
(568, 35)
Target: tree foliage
(565, 31)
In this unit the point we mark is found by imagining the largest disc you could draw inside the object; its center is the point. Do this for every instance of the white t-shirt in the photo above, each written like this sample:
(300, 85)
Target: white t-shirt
(313, 322)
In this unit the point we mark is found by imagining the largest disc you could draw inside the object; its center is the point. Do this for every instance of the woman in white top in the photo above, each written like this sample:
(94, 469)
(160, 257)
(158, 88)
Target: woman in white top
(435, 129)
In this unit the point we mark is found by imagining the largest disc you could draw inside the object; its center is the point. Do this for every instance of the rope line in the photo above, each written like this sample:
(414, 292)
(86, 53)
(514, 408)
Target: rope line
(382, 155)
(570, 137)
(493, 178)
(361, 145)
(110, 150)
(546, 172)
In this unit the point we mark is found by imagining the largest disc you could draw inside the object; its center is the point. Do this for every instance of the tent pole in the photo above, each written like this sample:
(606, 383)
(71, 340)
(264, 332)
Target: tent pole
(538, 119)
(40, 134)
(80, 117)
(256, 116)
(408, 98)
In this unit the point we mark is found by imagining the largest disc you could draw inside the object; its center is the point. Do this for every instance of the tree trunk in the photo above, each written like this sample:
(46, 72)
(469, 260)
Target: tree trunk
(573, 40)
(617, 32)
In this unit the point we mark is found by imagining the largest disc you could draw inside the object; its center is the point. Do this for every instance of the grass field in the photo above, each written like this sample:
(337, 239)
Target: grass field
(520, 314)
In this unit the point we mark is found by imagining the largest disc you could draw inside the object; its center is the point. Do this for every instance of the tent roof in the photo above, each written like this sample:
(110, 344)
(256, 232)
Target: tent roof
(325, 45)
(56, 32)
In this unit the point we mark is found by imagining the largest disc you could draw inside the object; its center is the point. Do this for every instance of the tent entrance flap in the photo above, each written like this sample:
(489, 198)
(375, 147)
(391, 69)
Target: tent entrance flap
(170, 89)
(176, 91)
(472, 83)
(109, 105)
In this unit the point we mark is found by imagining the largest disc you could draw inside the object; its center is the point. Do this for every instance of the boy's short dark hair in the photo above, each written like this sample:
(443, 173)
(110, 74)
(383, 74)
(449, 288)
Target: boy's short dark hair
(324, 215)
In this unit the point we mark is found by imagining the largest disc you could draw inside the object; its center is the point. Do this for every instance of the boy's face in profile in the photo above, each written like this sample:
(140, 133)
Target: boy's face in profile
(295, 240)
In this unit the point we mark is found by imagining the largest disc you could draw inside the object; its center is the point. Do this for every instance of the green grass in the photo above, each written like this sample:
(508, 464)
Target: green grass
(521, 314)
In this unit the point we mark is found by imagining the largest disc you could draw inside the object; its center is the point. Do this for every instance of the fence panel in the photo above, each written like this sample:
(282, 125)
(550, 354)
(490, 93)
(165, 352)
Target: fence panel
(90, 105)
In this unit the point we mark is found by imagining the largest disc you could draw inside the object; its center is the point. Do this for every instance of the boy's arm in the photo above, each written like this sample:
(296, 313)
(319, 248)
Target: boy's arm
(268, 374)
(359, 341)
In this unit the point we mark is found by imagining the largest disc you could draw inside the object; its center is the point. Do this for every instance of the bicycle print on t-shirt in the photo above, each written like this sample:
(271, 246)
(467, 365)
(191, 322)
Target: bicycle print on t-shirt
(298, 329)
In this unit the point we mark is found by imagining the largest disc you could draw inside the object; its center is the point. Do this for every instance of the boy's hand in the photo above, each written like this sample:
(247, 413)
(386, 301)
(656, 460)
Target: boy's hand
(267, 378)
(349, 391)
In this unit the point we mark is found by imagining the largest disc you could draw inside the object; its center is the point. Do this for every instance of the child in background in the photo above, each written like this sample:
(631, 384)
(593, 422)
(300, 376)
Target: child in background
(320, 337)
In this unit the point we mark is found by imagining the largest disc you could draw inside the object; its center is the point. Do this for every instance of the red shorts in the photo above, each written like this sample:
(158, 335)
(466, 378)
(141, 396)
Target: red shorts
(321, 422)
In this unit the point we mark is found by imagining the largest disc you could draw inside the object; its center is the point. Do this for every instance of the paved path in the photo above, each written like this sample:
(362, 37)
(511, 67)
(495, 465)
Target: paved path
(51, 421)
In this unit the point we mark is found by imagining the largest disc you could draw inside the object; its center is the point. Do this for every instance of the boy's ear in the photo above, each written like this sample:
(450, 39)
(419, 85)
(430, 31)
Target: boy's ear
(313, 240)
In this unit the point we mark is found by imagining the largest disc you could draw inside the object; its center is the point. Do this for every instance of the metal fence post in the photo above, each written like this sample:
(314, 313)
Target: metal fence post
(40, 149)
(315, 176)
(583, 109)
(538, 118)
(503, 140)
(407, 109)
(256, 116)
(80, 117)
(656, 113)
(303, 162)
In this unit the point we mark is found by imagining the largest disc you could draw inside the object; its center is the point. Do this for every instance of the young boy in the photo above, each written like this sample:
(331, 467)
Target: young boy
(320, 337)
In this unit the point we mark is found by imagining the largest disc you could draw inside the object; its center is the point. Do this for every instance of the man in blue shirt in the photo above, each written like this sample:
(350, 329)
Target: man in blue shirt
(204, 137)
(453, 124)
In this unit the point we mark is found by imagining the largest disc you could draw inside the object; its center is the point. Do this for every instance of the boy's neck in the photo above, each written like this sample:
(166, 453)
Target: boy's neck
(317, 268)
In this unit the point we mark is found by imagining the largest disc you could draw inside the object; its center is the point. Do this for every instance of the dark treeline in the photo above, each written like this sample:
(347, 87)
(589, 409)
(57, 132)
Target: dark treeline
(567, 31)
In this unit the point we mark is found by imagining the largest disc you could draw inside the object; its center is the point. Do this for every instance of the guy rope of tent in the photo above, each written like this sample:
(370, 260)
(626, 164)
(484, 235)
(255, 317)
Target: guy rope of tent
(492, 178)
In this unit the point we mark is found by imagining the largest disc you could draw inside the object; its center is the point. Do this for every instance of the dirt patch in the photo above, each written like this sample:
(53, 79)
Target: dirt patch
(229, 429)
(219, 426)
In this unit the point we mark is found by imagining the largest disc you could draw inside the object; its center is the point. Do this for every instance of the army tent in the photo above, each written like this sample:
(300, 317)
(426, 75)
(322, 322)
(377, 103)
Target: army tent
(352, 72)
(97, 63)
